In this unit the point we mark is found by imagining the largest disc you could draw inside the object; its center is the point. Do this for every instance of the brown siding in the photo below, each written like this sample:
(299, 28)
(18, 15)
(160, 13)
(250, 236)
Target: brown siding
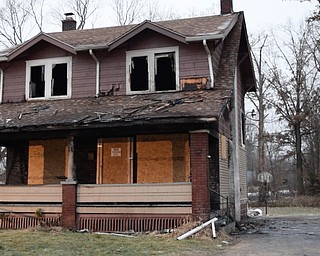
(113, 72)
(14, 82)
(83, 75)
(44, 50)
(193, 61)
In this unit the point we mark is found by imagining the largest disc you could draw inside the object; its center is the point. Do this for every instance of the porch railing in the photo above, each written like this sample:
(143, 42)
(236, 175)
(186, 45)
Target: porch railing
(219, 203)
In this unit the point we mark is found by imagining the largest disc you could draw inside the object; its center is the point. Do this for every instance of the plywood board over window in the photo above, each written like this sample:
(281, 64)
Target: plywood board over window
(163, 158)
(47, 161)
(116, 166)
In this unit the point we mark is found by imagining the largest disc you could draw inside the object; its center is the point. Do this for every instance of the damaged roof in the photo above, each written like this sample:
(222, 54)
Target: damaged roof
(185, 30)
(203, 106)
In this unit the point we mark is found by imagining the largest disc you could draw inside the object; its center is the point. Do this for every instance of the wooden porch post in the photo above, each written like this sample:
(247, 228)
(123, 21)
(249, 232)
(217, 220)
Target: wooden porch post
(69, 192)
(199, 163)
(71, 174)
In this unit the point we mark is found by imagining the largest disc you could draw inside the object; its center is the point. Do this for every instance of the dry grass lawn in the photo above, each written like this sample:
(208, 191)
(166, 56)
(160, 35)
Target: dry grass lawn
(57, 242)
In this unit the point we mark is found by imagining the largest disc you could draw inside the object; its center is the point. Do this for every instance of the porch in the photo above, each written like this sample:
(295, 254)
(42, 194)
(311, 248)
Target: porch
(104, 207)
(145, 182)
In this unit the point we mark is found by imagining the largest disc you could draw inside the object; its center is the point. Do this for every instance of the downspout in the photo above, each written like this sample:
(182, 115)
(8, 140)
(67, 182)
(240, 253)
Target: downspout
(1, 85)
(204, 41)
(97, 72)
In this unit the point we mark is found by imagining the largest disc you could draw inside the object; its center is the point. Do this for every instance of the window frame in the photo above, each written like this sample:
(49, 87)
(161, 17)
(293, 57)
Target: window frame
(151, 58)
(48, 63)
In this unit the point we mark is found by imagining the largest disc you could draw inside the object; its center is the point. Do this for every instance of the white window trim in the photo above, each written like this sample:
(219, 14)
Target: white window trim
(150, 53)
(48, 74)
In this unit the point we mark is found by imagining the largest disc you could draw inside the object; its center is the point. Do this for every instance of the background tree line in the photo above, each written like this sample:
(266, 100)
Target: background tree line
(288, 94)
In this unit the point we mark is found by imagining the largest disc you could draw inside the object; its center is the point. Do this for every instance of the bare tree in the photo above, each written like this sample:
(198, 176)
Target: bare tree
(16, 19)
(154, 11)
(128, 11)
(294, 79)
(84, 9)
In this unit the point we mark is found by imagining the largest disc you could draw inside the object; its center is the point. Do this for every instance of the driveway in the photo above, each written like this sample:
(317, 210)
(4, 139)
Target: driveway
(291, 235)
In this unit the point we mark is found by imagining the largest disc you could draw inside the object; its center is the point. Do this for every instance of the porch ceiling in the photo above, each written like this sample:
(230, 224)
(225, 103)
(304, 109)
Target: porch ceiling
(192, 106)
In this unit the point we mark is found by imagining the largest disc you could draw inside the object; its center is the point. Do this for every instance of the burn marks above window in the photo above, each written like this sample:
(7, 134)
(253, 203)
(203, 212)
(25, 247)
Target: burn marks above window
(48, 78)
(152, 70)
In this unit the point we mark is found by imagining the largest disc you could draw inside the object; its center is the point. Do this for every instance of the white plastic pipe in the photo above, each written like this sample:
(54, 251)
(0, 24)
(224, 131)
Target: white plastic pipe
(209, 62)
(97, 72)
(197, 229)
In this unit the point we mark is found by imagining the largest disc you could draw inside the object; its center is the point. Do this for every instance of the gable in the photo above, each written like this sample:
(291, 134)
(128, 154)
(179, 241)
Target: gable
(147, 25)
(34, 41)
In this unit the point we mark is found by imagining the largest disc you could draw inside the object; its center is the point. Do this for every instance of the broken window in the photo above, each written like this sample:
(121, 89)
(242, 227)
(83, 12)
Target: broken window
(139, 74)
(59, 81)
(165, 74)
(48, 78)
(153, 70)
(37, 82)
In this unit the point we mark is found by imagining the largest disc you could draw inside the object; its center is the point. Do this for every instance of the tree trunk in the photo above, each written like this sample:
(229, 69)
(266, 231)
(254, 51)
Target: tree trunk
(299, 168)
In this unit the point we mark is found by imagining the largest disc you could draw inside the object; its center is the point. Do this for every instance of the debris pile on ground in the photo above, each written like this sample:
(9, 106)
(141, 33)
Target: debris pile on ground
(249, 225)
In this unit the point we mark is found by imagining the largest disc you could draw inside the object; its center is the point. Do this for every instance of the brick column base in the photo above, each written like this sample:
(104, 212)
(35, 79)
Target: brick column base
(69, 204)
(199, 163)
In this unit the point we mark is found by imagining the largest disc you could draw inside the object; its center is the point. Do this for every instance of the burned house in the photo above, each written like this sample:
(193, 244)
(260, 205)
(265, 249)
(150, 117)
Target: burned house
(133, 127)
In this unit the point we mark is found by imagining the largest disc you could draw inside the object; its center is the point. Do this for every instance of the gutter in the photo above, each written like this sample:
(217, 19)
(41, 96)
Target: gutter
(1, 85)
(97, 72)
(209, 62)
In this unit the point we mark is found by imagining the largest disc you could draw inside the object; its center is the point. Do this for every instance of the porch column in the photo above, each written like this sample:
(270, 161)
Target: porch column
(199, 164)
(69, 192)
(71, 174)
(69, 204)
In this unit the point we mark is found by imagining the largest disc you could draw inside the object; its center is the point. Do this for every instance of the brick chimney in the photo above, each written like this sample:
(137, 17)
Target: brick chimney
(226, 6)
(69, 23)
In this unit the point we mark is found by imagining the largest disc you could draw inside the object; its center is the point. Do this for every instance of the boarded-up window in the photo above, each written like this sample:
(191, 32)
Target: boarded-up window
(47, 161)
(146, 159)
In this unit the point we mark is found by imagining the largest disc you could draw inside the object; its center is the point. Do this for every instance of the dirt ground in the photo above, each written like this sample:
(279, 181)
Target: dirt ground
(281, 235)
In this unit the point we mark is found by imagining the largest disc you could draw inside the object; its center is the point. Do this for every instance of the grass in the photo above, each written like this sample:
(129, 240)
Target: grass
(291, 210)
(50, 242)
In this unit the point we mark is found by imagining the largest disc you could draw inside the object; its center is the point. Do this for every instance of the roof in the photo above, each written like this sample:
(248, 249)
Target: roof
(201, 106)
(185, 30)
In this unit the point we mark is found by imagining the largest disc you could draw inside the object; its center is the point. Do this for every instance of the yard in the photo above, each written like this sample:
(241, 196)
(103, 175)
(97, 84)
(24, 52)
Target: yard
(56, 242)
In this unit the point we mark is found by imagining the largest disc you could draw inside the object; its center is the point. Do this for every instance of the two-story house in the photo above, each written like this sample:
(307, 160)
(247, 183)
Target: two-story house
(135, 127)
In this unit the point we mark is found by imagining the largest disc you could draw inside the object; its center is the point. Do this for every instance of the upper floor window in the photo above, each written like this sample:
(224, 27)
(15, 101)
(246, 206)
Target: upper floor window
(48, 78)
(152, 70)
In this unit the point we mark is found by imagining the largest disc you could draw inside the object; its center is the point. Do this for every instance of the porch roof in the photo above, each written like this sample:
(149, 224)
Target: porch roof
(194, 106)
